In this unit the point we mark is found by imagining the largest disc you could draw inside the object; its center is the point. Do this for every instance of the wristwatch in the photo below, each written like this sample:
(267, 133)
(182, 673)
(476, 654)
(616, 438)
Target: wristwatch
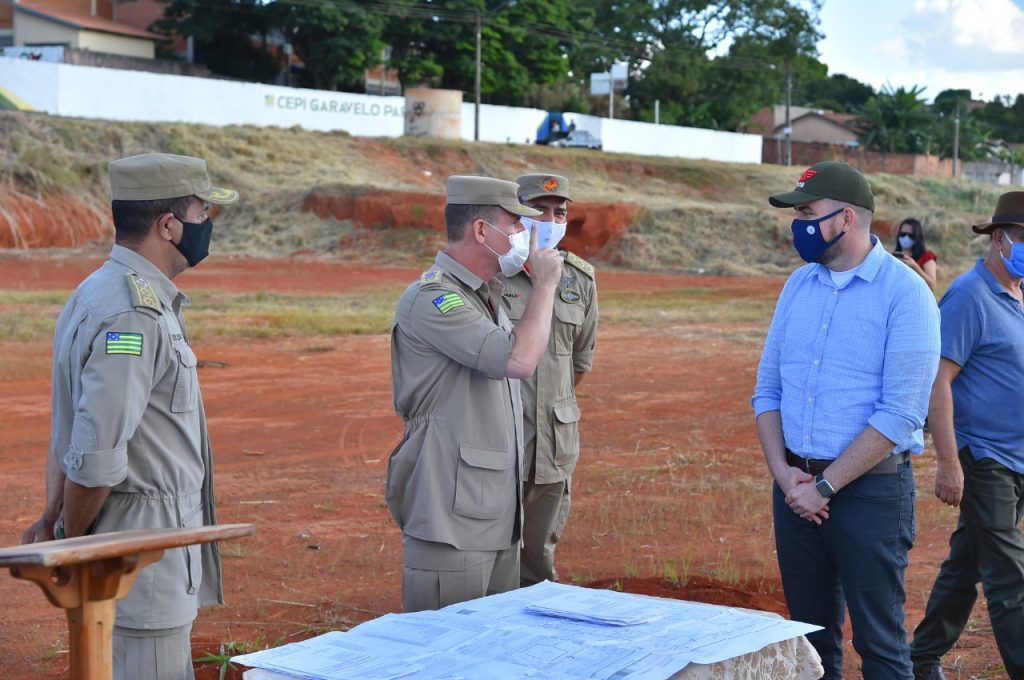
(824, 487)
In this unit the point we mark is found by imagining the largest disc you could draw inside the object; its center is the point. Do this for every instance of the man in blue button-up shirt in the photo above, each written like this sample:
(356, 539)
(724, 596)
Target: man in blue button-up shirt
(975, 414)
(841, 397)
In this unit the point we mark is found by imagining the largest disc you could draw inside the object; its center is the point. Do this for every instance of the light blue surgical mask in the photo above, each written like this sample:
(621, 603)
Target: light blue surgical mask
(1015, 263)
(548, 233)
(906, 242)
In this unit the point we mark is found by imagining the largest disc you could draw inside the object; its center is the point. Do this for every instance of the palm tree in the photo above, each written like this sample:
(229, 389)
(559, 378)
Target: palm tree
(897, 120)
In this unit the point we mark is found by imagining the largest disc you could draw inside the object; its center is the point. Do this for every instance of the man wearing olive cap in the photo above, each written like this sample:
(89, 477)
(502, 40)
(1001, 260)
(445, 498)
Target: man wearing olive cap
(841, 397)
(454, 480)
(550, 412)
(975, 415)
(129, 447)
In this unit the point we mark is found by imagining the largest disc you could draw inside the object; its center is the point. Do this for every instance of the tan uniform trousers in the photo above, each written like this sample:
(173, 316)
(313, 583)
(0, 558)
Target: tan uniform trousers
(435, 575)
(545, 512)
(163, 654)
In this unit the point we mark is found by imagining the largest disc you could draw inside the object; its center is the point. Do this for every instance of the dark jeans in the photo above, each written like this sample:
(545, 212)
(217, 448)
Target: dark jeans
(988, 547)
(857, 559)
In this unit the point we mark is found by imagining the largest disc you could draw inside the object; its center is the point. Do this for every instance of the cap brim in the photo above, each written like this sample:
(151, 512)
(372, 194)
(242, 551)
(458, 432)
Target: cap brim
(520, 209)
(791, 198)
(219, 196)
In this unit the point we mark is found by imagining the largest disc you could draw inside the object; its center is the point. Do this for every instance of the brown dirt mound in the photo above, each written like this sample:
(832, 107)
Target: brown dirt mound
(591, 227)
(56, 220)
(698, 589)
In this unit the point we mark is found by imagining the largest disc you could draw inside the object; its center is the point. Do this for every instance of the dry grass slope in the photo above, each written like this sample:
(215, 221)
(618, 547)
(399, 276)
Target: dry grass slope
(701, 215)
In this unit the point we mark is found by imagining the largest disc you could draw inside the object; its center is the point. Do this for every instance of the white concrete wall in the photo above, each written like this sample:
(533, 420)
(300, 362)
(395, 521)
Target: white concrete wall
(116, 44)
(111, 94)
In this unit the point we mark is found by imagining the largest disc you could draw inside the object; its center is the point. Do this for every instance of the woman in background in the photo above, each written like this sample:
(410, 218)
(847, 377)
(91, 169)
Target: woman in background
(911, 250)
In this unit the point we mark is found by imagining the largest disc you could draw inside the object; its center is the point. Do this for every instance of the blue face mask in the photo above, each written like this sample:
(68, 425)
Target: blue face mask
(807, 238)
(1014, 263)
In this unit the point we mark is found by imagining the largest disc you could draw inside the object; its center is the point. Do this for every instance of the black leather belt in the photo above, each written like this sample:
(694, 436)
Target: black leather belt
(816, 466)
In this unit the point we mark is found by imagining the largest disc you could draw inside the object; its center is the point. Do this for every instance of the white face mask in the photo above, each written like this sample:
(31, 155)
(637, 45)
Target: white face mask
(548, 233)
(906, 242)
(512, 262)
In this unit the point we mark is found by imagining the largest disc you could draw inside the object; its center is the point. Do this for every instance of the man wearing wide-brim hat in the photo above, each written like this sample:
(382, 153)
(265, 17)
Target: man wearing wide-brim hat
(454, 483)
(976, 421)
(129, 447)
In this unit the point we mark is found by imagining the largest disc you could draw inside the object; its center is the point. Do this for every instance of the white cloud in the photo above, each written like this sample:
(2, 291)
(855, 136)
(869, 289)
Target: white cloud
(966, 35)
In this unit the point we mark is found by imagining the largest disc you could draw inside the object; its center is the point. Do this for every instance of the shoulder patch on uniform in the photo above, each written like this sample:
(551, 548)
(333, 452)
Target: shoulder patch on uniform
(430, 275)
(581, 264)
(447, 302)
(143, 294)
(124, 343)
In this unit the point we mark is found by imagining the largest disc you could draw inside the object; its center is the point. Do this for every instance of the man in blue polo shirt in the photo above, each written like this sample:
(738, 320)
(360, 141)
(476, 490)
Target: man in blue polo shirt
(841, 396)
(976, 415)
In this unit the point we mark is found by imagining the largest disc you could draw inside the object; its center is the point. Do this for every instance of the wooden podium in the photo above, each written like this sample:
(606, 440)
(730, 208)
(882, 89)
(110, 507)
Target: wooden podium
(86, 575)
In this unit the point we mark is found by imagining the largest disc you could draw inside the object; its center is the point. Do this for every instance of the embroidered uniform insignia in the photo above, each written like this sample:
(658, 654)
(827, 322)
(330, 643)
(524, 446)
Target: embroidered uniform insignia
(124, 343)
(447, 302)
(143, 294)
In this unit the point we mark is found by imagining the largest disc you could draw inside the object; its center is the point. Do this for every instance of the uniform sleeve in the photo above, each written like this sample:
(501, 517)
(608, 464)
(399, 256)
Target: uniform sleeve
(118, 365)
(449, 323)
(583, 347)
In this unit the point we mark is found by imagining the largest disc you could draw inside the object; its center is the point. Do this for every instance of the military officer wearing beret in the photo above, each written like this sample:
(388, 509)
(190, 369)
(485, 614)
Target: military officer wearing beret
(129, 447)
(550, 413)
(454, 480)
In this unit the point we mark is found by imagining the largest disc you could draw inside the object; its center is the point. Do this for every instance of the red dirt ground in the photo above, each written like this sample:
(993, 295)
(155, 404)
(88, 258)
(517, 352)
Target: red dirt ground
(302, 429)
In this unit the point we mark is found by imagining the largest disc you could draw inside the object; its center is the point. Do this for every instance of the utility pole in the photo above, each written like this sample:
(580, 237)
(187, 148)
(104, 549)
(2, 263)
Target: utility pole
(611, 95)
(476, 107)
(788, 130)
(956, 138)
(657, 111)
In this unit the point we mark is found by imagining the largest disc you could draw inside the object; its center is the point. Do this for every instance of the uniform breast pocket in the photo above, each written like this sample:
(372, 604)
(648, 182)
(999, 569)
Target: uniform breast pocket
(480, 491)
(186, 381)
(568, 320)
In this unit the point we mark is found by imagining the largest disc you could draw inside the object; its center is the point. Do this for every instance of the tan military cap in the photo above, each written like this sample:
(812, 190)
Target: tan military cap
(156, 176)
(468, 190)
(535, 185)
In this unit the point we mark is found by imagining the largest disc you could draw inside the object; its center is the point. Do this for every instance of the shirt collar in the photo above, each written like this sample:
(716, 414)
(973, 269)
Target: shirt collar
(990, 279)
(163, 286)
(452, 266)
(867, 269)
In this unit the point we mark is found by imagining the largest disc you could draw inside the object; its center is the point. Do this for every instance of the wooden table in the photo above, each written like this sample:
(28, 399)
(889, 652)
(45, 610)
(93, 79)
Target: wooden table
(86, 575)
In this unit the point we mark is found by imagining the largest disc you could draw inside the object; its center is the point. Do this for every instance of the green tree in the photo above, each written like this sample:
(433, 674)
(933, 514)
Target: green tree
(897, 120)
(337, 41)
(229, 36)
(837, 92)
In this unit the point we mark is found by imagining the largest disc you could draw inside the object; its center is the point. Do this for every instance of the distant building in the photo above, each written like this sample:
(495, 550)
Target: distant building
(809, 125)
(91, 25)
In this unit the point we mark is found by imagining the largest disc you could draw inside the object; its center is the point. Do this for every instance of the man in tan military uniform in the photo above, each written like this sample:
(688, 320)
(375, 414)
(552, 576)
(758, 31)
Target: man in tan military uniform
(454, 481)
(550, 413)
(129, 447)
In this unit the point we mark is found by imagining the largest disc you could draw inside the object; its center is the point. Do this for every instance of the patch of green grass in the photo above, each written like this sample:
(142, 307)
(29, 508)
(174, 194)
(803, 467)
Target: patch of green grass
(227, 650)
(683, 305)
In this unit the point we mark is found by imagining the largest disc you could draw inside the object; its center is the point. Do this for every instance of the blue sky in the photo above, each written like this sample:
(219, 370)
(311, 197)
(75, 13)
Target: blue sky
(938, 44)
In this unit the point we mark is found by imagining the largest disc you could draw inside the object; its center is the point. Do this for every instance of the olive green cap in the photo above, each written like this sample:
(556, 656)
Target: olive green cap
(828, 179)
(535, 185)
(470, 190)
(158, 176)
(1009, 213)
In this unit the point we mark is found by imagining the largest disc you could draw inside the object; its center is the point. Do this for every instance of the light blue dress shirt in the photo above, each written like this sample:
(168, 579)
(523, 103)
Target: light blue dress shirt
(837, 360)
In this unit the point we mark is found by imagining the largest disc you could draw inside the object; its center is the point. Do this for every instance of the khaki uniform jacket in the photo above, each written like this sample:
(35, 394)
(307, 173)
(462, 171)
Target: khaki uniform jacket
(127, 413)
(455, 477)
(550, 413)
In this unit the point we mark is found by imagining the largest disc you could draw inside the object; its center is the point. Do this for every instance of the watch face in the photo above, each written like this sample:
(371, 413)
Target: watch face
(824, 488)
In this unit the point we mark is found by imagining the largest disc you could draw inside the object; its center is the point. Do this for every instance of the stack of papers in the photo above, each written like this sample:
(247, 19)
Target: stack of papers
(501, 637)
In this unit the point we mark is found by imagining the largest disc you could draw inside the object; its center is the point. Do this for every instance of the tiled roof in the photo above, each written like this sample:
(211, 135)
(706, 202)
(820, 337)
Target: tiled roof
(61, 15)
